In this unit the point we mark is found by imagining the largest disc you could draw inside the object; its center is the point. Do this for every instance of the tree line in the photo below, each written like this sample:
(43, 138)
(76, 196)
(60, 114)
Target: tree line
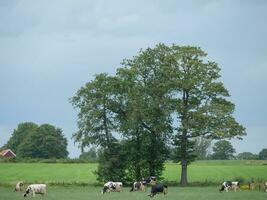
(203, 150)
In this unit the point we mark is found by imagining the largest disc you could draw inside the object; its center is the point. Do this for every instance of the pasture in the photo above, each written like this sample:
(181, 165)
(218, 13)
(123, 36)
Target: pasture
(82, 174)
(174, 193)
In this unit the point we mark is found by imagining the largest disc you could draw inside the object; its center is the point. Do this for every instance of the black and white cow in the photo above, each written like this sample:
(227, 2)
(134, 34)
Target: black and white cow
(112, 187)
(227, 185)
(35, 189)
(140, 185)
(158, 188)
(265, 186)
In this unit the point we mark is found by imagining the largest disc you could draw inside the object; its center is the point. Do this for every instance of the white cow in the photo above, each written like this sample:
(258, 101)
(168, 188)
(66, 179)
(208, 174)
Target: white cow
(227, 185)
(112, 187)
(35, 189)
(18, 187)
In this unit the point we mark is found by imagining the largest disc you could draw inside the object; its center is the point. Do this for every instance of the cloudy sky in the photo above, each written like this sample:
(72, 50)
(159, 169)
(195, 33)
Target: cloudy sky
(48, 49)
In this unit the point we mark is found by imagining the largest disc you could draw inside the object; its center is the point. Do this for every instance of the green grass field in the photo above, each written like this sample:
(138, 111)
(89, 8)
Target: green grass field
(200, 171)
(174, 193)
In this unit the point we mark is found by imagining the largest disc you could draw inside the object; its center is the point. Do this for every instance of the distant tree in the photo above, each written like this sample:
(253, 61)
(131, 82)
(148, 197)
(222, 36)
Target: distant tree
(47, 142)
(90, 155)
(20, 134)
(201, 146)
(223, 150)
(263, 154)
(247, 156)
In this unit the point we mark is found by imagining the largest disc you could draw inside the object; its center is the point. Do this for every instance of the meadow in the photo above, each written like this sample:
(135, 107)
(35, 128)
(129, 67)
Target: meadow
(202, 172)
(174, 193)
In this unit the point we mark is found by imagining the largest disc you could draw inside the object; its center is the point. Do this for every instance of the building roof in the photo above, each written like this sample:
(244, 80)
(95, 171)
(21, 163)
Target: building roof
(7, 152)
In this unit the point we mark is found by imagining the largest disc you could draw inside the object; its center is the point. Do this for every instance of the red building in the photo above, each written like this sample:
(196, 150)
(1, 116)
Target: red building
(7, 153)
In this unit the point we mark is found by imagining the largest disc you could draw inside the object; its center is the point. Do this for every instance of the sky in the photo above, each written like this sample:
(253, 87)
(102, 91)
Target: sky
(49, 49)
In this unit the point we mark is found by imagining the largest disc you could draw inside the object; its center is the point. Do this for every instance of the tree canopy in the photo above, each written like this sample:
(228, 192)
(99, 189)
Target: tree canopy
(164, 95)
(32, 141)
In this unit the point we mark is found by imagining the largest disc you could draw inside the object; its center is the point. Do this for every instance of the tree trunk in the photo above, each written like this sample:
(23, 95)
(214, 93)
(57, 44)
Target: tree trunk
(184, 139)
(183, 181)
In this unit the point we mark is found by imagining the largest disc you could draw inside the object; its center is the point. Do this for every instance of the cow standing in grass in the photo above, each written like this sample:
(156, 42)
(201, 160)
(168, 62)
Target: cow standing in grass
(35, 189)
(140, 185)
(112, 187)
(265, 186)
(227, 185)
(18, 187)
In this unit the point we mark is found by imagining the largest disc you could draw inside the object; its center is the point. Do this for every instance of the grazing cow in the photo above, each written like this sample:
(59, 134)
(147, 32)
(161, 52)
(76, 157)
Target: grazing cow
(265, 186)
(18, 187)
(158, 188)
(140, 185)
(227, 185)
(35, 189)
(112, 187)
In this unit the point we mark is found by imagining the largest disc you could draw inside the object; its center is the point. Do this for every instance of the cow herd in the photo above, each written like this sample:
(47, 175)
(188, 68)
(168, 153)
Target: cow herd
(141, 185)
(235, 185)
(137, 186)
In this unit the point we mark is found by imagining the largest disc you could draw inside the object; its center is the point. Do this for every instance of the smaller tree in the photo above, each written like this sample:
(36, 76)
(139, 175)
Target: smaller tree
(247, 156)
(223, 150)
(263, 154)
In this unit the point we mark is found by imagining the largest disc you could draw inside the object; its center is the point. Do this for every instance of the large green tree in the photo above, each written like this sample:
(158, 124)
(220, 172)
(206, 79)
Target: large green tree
(199, 101)
(223, 150)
